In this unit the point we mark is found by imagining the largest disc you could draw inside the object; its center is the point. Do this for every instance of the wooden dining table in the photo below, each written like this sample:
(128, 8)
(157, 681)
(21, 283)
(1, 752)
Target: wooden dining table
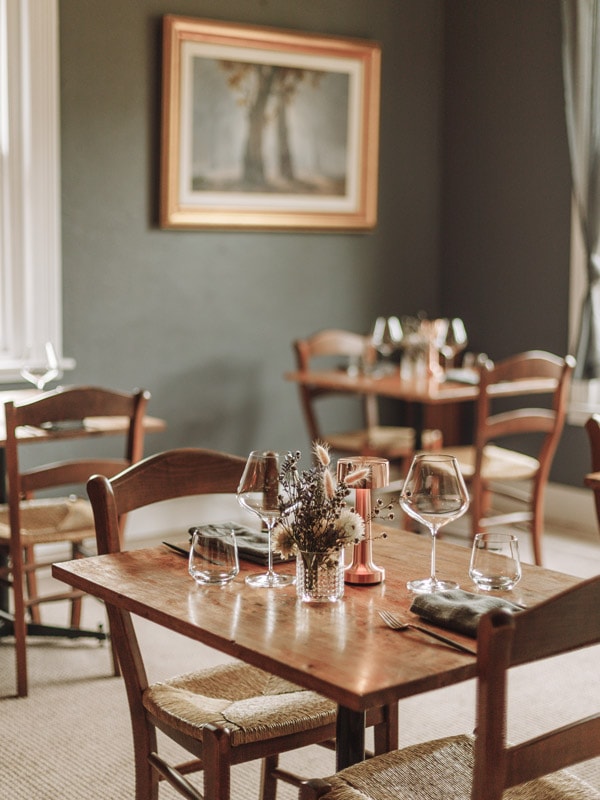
(342, 650)
(454, 387)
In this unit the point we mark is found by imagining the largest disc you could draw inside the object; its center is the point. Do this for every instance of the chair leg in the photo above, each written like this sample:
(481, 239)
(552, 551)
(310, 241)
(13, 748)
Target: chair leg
(537, 523)
(268, 781)
(114, 657)
(19, 624)
(75, 620)
(31, 583)
(217, 763)
(144, 744)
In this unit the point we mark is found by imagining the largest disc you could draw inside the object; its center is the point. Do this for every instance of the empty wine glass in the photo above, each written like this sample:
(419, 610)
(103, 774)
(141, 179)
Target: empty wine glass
(39, 372)
(259, 491)
(435, 494)
(386, 338)
(455, 341)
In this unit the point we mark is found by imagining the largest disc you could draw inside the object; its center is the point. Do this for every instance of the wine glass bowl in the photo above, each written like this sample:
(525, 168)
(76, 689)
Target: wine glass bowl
(455, 340)
(259, 491)
(386, 338)
(434, 493)
(41, 371)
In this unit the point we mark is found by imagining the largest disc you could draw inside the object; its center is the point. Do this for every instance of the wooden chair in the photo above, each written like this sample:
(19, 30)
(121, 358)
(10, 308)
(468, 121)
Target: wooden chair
(261, 716)
(397, 444)
(483, 765)
(493, 471)
(592, 479)
(30, 519)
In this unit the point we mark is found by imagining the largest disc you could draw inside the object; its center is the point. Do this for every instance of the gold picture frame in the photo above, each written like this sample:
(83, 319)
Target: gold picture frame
(267, 129)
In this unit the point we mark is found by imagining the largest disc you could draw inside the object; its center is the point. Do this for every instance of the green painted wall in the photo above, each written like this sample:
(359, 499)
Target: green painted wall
(473, 212)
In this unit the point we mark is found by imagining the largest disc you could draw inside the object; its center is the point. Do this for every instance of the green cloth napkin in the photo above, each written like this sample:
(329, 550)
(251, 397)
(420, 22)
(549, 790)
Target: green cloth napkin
(457, 609)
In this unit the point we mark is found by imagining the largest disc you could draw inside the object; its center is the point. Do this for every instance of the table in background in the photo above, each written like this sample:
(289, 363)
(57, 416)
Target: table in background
(343, 651)
(424, 394)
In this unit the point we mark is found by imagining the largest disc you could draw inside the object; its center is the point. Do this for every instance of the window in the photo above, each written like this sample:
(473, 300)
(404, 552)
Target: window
(30, 254)
(581, 72)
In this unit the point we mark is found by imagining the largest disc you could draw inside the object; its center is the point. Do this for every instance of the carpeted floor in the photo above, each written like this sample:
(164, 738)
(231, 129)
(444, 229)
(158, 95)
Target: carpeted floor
(70, 739)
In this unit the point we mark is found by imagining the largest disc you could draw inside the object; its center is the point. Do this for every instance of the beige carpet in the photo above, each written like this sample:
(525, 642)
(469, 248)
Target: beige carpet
(70, 739)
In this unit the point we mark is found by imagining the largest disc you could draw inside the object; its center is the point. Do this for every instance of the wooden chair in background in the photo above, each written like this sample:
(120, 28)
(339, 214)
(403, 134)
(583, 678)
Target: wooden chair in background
(493, 471)
(31, 518)
(482, 766)
(592, 479)
(395, 443)
(272, 715)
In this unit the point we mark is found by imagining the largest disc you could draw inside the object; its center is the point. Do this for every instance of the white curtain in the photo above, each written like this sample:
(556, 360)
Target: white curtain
(581, 66)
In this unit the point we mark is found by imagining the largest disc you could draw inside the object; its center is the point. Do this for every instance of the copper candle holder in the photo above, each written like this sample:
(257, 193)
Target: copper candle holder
(362, 569)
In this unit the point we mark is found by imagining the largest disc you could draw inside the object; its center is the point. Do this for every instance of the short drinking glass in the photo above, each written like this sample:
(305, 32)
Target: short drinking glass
(213, 555)
(495, 562)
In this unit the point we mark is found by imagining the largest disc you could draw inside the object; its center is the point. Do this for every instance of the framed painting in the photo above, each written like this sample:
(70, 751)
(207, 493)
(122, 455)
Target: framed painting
(267, 129)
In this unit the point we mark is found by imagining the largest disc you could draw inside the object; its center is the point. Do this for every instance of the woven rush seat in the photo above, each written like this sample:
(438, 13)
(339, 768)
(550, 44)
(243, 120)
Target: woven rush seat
(64, 519)
(385, 441)
(440, 770)
(498, 463)
(251, 703)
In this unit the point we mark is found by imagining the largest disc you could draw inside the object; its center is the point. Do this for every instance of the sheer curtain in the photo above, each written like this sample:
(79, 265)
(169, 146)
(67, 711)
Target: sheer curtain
(581, 66)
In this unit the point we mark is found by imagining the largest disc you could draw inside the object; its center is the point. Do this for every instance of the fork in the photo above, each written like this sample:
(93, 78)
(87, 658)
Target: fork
(399, 625)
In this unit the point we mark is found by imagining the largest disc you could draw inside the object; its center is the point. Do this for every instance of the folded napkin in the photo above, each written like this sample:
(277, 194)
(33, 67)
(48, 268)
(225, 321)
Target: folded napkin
(252, 545)
(457, 609)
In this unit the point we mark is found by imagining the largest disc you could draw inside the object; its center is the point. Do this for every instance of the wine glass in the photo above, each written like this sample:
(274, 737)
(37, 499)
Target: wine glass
(434, 493)
(40, 372)
(259, 491)
(455, 341)
(386, 338)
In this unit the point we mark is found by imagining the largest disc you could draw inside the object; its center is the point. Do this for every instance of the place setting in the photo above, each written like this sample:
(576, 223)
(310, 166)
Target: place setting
(306, 518)
(434, 493)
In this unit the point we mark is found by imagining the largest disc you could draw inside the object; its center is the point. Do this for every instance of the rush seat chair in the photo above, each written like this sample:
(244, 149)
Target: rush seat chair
(32, 517)
(226, 714)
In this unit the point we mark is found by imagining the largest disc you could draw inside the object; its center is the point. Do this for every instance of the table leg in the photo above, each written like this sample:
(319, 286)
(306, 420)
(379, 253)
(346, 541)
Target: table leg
(419, 421)
(350, 737)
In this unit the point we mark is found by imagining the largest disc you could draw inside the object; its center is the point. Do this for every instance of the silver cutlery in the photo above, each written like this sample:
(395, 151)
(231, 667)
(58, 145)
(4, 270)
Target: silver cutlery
(400, 625)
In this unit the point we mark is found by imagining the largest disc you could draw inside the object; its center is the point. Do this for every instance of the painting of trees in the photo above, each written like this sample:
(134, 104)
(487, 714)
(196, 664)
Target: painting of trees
(279, 138)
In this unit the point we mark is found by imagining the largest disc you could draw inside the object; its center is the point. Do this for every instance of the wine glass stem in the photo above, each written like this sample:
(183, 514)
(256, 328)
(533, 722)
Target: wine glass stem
(270, 523)
(433, 539)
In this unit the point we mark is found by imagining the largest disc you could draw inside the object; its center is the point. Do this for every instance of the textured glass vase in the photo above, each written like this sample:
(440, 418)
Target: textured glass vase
(320, 576)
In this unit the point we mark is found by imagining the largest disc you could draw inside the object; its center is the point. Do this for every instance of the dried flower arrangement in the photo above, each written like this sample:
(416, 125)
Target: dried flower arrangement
(314, 516)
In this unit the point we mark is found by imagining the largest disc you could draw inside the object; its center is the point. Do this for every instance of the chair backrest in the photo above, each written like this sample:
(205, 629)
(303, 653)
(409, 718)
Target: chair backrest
(522, 370)
(561, 624)
(66, 414)
(327, 344)
(184, 472)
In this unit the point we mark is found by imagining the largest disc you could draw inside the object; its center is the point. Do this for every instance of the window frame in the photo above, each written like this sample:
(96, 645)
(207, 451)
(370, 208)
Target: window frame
(30, 212)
